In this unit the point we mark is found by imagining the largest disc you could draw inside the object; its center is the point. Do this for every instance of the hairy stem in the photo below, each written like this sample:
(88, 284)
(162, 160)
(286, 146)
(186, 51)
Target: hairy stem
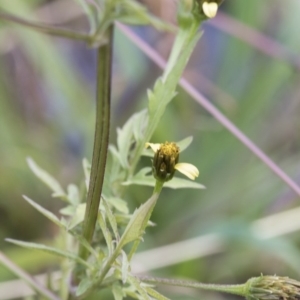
(236, 289)
(100, 140)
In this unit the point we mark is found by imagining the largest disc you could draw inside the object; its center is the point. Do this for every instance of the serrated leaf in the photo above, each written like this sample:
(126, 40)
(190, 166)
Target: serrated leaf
(49, 180)
(183, 144)
(105, 231)
(137, 284)
(111, 218)
(78, 216)
(136, 14)
(164, 88)
(73, 194)
(138, 222)
(141, 178)
(51, 250)
(117, 292)
(87, 172)
(129, 133)
(156, 295)
(125, 267)
(68, 210)
(83, 286)
(119, 204)
(48, 214)
(85, 243)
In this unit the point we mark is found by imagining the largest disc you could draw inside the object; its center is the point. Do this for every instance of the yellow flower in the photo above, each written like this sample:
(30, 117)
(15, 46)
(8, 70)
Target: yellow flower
(210, 9)
(165, 162)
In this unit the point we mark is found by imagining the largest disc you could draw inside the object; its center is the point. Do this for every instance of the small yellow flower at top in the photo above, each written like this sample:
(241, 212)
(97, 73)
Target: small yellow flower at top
(210, 9)
(165, 162)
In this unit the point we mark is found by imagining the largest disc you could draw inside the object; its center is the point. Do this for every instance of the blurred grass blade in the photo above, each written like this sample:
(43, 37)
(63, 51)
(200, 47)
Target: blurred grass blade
(36, 286)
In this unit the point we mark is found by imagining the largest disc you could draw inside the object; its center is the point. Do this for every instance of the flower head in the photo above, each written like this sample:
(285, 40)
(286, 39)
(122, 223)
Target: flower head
(272, 288)
(165, 162)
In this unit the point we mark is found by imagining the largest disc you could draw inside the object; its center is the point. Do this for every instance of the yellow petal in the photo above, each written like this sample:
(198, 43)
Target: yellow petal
(210, 9)
(154, 147)
(188, 170)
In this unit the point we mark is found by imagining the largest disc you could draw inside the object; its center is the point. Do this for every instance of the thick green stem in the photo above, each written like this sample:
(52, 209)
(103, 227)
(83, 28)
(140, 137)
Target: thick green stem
(236, 289)
(43, 28)
(100, 140)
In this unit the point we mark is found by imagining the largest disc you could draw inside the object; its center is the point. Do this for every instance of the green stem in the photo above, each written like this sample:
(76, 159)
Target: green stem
(145, 210)
(100, 140)
(158, 187)
(236, 289)
(27, 278)
(105, 268)
(46, 28)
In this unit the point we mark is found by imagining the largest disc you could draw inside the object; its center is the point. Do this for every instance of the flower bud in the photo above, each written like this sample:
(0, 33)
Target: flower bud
(208, 8)
(272, 288)
(165, 159)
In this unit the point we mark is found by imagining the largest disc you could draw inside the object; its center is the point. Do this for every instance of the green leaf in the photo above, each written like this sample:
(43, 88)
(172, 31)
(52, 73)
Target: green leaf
(119, 204)
(125, 267)
(156, 295)
(87, 172)
(141, 178)
(138, 286)
(106, 233)
(164, 87)
(68, 210)
(135, 13)
(179, 183)
(51, 182)
(83, 286)
(118, 291)
(91, 13)
(111, 218)
(73, 194)
(48, 214)
(51, 250)
(138, 222)
(127, 135)
(78, 216)
(84, 243)
(183, 144)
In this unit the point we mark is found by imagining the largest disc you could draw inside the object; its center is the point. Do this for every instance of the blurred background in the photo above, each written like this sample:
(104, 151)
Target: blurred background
(47, 92)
